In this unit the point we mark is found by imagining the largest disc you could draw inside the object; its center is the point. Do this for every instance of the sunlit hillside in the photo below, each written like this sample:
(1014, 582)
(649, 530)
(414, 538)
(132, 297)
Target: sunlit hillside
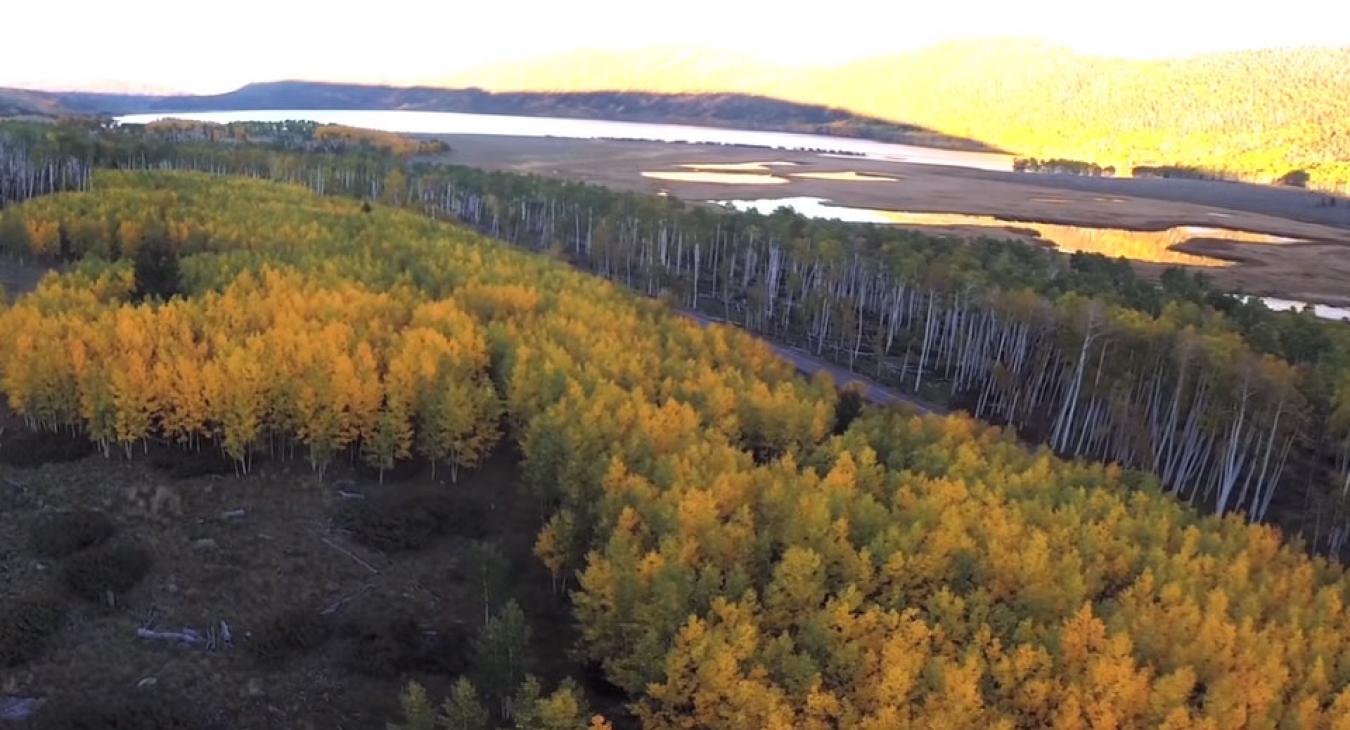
(1256, 114)
(670, 69)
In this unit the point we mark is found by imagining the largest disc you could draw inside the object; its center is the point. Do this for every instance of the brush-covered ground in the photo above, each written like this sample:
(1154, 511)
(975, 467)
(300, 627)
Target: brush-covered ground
(168, 586)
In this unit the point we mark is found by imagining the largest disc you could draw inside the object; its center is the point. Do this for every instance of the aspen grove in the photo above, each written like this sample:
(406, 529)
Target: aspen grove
(1234, 408)
(735, 555)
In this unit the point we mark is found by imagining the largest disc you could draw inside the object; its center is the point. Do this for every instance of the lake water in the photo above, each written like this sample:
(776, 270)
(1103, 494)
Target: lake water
(1321, 310)
(1152, 246)
(499, 124)
(717, 178)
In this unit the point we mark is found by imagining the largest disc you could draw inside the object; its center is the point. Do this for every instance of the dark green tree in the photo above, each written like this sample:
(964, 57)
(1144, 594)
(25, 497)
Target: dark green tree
(157, 272)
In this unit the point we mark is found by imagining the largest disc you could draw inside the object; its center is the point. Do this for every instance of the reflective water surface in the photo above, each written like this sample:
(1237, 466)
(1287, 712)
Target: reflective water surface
(719, 178)
(846, 176)
(1321, 310)
(737, 166)
(1152, 246)
(501, 124)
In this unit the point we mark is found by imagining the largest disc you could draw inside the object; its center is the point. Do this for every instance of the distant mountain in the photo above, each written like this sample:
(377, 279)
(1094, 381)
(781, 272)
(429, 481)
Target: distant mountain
(23, 102)
(746, 111)
(1256, 114)
(1253, 114)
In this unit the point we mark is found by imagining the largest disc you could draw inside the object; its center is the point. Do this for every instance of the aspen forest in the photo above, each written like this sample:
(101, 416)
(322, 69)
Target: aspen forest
(1233, 407)
(1134, 518)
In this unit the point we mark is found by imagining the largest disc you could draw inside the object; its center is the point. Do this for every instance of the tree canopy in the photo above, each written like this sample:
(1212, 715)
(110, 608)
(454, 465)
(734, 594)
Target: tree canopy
(733, 561)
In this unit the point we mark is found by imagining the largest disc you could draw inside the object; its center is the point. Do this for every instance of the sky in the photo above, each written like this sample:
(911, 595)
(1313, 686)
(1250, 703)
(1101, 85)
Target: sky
(171, 45)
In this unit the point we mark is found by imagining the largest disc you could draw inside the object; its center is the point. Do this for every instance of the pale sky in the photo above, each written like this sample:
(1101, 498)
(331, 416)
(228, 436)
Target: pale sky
(216, 46)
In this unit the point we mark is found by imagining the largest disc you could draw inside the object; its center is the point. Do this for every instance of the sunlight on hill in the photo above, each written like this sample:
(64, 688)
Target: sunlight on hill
(1255, 115)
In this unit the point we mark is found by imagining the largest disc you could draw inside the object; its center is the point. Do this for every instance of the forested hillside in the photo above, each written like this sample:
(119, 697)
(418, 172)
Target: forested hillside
(1233, 407)
(1252, 114)
(742, 110)
(741, 553)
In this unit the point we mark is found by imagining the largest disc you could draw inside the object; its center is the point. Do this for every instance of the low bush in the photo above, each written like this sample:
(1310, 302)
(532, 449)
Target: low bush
(403, 471)
(118, 713)
(848, 408)
(35, 448)
(59, 534)
(25, 628)
(291, 632)
(408, 522)
(111, 568)
(390, 646)
(182, 464)
(465, 519)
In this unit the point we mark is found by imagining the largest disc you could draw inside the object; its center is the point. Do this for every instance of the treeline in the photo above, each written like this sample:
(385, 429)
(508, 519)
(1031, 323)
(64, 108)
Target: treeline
(741, 552)
(1063, 167)
(1183, 172)
(1234, 407)
(336, 137)
(38, 159)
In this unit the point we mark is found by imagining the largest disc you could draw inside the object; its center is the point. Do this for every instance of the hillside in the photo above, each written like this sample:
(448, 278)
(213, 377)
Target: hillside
(740, 110)
(1256, 114)
(23, 103)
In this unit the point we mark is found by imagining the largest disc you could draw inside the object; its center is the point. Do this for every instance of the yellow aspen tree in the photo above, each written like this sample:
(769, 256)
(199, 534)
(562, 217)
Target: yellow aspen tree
(234, 390)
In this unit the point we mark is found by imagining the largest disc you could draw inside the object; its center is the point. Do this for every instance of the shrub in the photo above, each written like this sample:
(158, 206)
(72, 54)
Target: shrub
(158, 275)
(402, 471)
(407, 522)
(848, 408)
(109, 568)
(60, 534)
(288, 633)
(465, 519)
(25, 627)
(118, 713)
(381, 648)
(1295, 179)
(35, 448)
(181, 464)
(388, 646)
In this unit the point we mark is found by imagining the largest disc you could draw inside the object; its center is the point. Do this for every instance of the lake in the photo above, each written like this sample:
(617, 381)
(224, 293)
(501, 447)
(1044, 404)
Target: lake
(413, 122)
(1324, 311)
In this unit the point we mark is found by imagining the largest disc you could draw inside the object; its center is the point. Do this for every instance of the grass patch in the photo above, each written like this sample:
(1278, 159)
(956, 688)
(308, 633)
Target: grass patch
(391, 646)
(111, 568)
(60, 534)
(409, 522)
(35, 448)
(288, 633)
(184, 464)
(403, 471)
(25, 627)
(118, 713)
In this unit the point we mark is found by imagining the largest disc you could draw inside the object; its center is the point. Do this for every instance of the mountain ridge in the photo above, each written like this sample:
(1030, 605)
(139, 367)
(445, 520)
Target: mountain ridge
(748, 111)
(1252, 115)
